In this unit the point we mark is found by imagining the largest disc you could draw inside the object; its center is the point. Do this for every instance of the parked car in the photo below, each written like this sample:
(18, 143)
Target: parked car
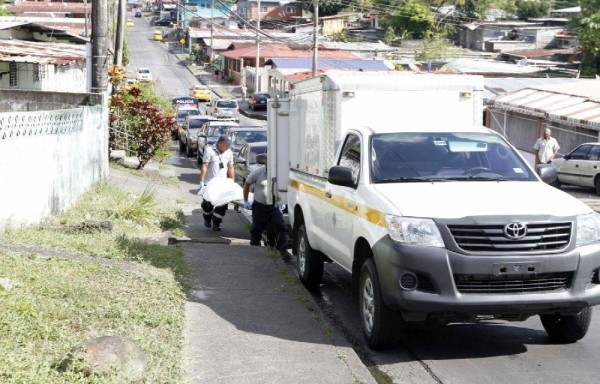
(245, 162)
(130, 23)
(188, 133)
(225, 109)
(210, 132)
(143, 74)
(163, 23)
(181, 114)
(581, 167)
(138, 13)
(157, 35)
(244, 135)
(258, 101)
(200, 92)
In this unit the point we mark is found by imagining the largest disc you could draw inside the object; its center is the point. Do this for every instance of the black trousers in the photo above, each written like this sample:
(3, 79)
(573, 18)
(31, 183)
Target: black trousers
(214, 213)
(268, 215)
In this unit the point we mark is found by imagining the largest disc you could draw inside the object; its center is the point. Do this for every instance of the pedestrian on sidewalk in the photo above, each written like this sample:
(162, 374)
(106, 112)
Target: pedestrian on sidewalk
(216, 75)
(216, 162)
(546, 148)
(223, 76)
(264, 214)
(244, 91)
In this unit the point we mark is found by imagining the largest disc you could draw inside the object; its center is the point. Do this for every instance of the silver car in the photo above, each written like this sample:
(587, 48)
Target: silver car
(188, 133)
(581, 167)
(209, 134)
(225, 109)
(244, 135)
(245, 162)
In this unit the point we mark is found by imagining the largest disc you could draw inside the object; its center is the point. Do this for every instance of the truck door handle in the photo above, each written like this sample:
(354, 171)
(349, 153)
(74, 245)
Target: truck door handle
(328, 194)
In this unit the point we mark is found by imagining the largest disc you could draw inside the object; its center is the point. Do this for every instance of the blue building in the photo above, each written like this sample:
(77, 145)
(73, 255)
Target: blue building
(203, 9)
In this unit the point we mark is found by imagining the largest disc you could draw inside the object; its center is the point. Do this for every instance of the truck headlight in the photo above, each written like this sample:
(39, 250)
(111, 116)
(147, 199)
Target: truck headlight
(588, 228)
(414, 231)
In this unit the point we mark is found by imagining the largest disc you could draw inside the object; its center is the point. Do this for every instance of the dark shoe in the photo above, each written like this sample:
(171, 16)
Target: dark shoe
(207, 223)
(216, 228)
(285, 255)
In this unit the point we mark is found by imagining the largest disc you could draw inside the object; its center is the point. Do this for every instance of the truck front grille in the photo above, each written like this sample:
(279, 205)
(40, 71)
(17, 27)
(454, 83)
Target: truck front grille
(492, 238)
(492, 284)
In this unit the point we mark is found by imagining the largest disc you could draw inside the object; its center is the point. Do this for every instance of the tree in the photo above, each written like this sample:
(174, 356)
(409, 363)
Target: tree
(474, 9)
(588, 29)
(527, 9)
(326, 7)
(390, 35)
(140, 117)
(435, 48)
(413, 16)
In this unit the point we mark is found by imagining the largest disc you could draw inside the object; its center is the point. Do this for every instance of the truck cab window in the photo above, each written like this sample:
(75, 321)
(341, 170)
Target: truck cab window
(350, 156)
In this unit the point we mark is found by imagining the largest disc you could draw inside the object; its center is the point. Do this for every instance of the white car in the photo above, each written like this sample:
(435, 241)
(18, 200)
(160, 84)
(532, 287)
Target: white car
(144, 74)
(581, 167)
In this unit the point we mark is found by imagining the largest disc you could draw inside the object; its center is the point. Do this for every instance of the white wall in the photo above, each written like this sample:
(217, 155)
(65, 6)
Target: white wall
(47, 160)
(66, 78)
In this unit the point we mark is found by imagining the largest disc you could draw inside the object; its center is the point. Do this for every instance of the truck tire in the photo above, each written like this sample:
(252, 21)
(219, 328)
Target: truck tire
(310, 262)
(381, 325)
(567, 329)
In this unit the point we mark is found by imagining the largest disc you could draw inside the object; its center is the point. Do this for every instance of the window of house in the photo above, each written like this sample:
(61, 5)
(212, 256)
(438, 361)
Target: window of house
(263, 8)
(290, 9)
(12, 70)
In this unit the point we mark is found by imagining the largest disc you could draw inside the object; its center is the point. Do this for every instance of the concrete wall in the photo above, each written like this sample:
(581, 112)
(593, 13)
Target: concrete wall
(47, 77)
(49, 158)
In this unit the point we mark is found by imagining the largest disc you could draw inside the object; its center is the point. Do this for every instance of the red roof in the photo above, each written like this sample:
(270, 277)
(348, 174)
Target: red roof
(43, 7)
(270, 51)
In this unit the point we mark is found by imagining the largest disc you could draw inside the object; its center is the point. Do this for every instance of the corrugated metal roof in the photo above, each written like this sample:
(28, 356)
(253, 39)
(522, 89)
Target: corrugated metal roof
(495, 86)
(41, 53)
(357, 46)
(306, 63)
(551, 105)
(470, 66)
(269, 51)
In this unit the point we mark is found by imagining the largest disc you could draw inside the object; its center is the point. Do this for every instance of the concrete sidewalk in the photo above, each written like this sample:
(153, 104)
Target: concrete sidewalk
(247, 318)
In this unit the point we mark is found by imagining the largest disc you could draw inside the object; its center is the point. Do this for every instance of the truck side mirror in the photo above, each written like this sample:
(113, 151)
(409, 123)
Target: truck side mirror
(339, 175)
(547, 172)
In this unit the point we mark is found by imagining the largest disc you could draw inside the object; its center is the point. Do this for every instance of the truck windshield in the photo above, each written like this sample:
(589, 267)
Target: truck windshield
(416, 157)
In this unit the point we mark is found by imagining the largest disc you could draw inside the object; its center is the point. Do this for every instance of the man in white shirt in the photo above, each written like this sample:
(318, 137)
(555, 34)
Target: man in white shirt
(546, 147)
(216, 162)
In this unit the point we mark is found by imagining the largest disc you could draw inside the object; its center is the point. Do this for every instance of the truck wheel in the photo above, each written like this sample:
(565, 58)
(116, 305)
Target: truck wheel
(310, 262)
(381, 325)
(567, 329)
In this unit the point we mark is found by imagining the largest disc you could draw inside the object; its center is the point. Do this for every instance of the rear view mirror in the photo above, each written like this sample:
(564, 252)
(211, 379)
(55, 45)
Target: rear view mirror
(547, 172)
(339, 175)
(241, 160)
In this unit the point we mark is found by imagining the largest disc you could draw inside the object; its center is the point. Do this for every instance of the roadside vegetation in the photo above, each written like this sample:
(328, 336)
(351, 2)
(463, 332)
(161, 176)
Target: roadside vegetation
(136, 289)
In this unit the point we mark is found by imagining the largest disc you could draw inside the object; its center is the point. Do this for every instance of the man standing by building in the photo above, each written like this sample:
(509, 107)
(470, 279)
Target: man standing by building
(216, 162)
(546, 148)
(264, 214)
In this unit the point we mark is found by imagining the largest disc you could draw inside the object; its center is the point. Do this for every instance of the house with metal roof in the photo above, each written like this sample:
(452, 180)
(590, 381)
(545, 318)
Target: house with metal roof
(571, 110)
(286, 71)
(240, 63)
(39, 57)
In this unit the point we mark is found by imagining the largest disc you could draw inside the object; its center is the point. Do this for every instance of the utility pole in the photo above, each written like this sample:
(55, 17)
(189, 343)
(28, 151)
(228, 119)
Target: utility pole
(257, 47)
(212, 27)
(99, 46)
(120, 34)
(315, 40)
(85, 17)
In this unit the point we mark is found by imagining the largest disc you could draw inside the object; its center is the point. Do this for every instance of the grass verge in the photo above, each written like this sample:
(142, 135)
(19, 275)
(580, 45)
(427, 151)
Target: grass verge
(58, 304)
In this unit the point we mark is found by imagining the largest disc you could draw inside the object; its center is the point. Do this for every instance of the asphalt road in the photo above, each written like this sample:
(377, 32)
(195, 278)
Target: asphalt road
(491, 352)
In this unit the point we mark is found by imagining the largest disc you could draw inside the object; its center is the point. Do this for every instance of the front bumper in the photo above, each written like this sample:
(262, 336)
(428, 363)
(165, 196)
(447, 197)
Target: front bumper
(438, 271)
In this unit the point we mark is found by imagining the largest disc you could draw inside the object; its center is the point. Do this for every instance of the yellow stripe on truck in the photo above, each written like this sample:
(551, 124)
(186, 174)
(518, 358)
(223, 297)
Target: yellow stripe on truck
(362, 211)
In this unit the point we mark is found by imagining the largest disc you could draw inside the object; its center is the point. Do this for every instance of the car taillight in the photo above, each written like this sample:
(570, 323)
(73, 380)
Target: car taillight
(238, 110)
(215, 110)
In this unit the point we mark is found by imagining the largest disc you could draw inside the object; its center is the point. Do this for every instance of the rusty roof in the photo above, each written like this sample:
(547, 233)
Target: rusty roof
(552, 105)
(41, 52)
(271, 51)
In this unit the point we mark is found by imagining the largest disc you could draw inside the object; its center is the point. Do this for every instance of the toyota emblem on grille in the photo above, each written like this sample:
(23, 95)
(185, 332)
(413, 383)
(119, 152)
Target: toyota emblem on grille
(515, 231)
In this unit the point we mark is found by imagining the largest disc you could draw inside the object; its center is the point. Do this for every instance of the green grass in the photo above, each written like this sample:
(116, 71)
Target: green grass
(59, 304)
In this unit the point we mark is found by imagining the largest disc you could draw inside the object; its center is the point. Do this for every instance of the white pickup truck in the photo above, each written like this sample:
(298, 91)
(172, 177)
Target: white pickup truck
(437, 218)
